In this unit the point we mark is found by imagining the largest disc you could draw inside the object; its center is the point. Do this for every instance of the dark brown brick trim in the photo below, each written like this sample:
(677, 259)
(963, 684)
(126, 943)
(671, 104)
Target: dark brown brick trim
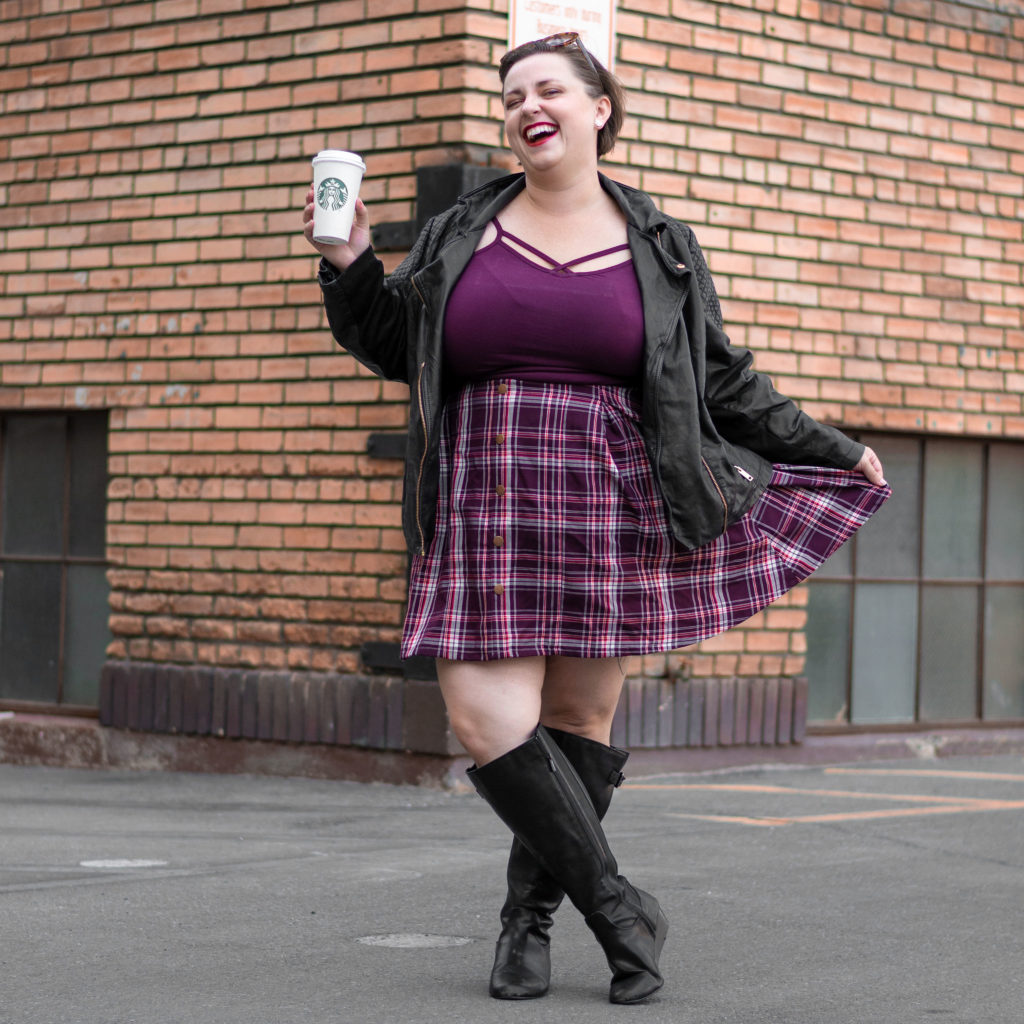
(375, 712)
(398, 714)
(659, 713)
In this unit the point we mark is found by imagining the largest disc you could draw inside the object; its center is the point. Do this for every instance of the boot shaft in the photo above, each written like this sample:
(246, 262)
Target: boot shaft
(535, 790)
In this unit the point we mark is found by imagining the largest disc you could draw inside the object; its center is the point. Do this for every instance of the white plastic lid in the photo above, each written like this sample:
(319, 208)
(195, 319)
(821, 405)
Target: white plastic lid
(339, 156)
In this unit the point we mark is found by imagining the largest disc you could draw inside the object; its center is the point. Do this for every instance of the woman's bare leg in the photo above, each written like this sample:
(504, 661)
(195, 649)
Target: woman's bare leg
(580, 695)
(493, 706)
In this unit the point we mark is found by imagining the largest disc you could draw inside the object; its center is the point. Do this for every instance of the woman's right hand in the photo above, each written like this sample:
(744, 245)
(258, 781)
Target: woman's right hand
(341, 256)
(871, 466)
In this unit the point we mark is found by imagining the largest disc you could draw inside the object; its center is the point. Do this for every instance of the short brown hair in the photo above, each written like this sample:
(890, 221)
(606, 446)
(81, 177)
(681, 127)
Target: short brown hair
(596, 78)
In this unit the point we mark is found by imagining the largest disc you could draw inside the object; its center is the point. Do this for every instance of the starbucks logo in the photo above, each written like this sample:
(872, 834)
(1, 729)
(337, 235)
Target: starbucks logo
(332, 194)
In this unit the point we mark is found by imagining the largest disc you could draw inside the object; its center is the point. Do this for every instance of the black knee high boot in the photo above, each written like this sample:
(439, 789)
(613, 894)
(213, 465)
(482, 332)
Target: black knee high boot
(537, 793)
(522, 960)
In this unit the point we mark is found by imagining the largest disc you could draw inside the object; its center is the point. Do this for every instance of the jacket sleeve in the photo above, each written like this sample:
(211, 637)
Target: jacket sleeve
(746, 408)
(367, 318)
(370, 315)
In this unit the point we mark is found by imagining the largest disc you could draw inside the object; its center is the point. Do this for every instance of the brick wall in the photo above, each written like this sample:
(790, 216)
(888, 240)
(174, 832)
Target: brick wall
(155, 161)
(855, 172)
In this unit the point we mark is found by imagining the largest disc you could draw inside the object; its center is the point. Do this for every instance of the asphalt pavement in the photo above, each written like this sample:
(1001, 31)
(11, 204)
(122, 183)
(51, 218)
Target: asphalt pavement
(889, 892)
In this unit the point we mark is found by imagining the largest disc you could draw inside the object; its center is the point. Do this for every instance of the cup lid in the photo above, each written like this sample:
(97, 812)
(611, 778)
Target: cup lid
(340, 156)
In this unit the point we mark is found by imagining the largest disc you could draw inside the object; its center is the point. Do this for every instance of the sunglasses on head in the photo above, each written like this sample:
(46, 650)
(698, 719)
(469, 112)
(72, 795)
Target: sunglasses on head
(564, 40)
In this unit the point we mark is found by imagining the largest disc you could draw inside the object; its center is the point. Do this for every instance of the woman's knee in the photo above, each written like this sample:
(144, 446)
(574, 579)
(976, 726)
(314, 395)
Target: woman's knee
(581, 696)
(592, 722)
(492, 706)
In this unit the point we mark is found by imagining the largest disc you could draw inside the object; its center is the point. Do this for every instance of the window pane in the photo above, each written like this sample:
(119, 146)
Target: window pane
(952, 509)
(949, 653)
(30, 632)
(1004, 555)
(887, 544)
(828, 651)
(884, 652)
(88, 485)
(87, 633)
(34, 485)
(1004, 652)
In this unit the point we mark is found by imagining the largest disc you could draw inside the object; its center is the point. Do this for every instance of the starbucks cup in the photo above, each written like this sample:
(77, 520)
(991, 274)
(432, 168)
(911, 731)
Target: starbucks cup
(337, 176)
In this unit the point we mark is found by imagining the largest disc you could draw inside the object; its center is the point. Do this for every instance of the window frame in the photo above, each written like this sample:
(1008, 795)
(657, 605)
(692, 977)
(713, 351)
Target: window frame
(65, 559)
(979, 584)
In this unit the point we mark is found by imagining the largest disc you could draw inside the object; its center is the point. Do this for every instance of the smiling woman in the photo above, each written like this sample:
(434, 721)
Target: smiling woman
(596, 80)
(593, 471)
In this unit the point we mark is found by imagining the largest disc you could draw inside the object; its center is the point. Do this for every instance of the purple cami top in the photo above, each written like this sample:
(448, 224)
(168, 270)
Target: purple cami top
(508, 316)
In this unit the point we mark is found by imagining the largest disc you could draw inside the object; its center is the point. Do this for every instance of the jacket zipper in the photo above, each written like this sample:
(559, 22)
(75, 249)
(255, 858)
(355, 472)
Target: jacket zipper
(423, 457)
(419, 293)
(426, 436)
(721, 496)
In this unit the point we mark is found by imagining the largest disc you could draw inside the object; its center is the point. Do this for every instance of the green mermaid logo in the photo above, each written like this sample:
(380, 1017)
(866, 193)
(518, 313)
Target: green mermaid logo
(332, 194)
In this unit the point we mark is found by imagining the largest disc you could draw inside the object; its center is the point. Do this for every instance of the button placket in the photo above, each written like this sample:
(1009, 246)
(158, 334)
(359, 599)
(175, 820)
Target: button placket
(498, 539)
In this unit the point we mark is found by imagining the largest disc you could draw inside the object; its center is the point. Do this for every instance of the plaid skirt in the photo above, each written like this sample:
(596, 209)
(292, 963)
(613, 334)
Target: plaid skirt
(551, 534)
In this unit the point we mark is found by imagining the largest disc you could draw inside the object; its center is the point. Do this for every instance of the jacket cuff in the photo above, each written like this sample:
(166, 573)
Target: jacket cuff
(853, 454)
(328, 274)
(355, 286)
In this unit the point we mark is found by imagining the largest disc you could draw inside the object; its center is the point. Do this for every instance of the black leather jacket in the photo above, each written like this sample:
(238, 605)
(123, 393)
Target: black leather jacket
(711, 425)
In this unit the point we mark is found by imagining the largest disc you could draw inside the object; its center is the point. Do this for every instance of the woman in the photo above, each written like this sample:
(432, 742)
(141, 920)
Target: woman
(589, 476)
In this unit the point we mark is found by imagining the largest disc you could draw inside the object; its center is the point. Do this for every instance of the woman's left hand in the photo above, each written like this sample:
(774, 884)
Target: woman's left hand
(871, 466)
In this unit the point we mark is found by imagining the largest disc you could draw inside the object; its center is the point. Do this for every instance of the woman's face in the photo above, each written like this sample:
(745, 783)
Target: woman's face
(549, 117)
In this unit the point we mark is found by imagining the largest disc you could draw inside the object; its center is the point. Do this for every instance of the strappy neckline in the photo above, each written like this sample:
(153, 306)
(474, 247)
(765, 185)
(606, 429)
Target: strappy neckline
(556, 267)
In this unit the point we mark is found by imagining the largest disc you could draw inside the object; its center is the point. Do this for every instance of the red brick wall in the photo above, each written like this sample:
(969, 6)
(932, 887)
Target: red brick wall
(855, 172)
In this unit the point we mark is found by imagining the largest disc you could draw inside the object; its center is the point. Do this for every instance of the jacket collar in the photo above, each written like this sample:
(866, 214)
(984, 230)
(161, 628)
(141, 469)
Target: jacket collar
(476, 209)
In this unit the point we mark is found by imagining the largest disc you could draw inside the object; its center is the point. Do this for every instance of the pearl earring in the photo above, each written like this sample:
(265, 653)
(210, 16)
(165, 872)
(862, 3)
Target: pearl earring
(598, 124)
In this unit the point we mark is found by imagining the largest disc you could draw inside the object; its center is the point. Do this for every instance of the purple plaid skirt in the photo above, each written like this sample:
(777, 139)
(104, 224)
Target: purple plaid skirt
(551, 535)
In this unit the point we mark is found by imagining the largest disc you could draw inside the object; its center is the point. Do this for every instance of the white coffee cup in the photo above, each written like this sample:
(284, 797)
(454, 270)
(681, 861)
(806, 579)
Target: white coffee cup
(337, 176)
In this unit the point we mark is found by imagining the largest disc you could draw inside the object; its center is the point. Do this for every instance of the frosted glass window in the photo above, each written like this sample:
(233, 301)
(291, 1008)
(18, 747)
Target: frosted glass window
(949, 653)
(828, 652)
(87, 522)
(884, 652)
(54, 604)
(87, 633)
(1004, 652)
(953, 495)
(33, 506)
(888, 544)
(934, 584)
(1004, 534)
(30, 632)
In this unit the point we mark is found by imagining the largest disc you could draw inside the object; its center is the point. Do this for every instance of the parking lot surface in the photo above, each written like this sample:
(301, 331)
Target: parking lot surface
(883, 892)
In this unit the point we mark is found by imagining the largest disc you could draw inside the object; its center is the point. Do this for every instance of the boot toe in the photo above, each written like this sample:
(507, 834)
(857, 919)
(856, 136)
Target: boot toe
(633, 944)
(511, 984)
(634, 989)
(522, 962)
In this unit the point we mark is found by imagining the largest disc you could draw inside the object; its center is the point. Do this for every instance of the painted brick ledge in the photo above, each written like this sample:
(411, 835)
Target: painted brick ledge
(400, 714)
(62, 742)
